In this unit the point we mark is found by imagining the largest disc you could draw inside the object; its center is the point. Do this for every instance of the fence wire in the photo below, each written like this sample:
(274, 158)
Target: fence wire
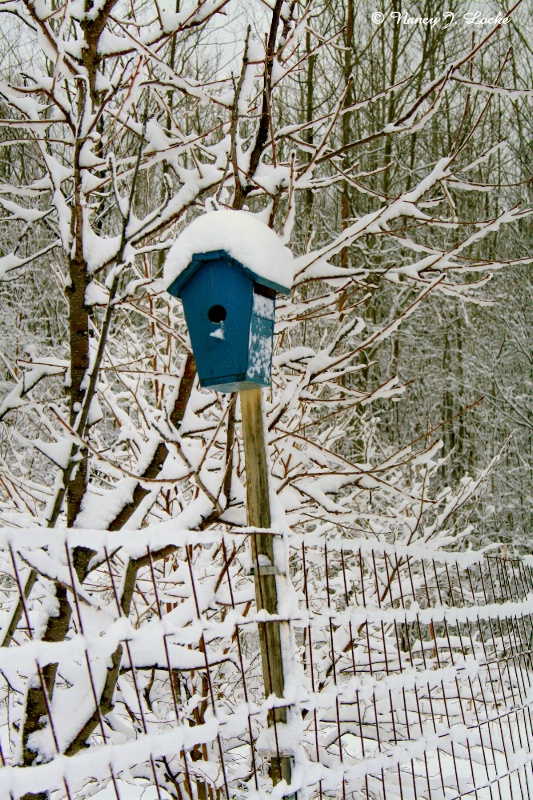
(407, 672)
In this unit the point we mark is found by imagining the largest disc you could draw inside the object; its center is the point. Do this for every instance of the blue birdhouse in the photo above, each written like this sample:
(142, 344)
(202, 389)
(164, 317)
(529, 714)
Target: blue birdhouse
(229, 310)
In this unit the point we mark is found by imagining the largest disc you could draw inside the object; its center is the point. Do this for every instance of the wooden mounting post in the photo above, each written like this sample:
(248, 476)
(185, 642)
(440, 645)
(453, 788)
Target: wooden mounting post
(258, 507)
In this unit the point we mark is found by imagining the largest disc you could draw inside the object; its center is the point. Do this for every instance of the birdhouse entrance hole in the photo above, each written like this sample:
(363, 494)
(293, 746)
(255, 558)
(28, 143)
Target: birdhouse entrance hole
(216, 314)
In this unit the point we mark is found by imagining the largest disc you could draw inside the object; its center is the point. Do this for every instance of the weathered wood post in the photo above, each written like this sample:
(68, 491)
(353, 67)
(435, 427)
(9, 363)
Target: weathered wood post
(264, 564)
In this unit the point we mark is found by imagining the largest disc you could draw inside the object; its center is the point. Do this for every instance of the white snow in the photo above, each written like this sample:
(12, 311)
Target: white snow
(264, 306)
(95, 295)
(240, 234)
(260, 348)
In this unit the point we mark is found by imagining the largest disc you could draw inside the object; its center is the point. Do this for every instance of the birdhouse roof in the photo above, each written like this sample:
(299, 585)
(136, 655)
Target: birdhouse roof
(240, 237)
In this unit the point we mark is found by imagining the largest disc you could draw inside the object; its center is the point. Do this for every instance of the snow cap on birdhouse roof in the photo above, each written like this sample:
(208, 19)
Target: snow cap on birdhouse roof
(255, 248)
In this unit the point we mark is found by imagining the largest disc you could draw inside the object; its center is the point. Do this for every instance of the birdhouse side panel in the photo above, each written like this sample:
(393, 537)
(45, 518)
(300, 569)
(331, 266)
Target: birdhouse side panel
(217, 302)
(261, 339)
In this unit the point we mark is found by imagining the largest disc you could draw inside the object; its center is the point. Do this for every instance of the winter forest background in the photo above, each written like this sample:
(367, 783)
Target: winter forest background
(394, 160)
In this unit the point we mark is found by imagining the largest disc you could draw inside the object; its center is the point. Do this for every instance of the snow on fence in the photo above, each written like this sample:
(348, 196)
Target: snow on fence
(408, 672)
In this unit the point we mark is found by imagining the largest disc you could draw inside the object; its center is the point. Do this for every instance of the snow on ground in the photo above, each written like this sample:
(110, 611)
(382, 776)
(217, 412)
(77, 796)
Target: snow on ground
(129, 792)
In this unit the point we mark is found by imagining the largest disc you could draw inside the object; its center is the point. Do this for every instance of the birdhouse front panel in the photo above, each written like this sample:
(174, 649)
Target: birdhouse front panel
(218, 300)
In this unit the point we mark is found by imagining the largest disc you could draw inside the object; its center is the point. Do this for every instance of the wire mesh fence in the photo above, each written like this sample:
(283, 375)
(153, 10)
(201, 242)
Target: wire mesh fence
(407, 672)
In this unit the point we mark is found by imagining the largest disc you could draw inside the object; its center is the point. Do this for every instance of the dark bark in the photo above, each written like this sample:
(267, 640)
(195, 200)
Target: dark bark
(243, 189)
(36, 717)
(92, 29)
(78, 320)
(105, 705)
